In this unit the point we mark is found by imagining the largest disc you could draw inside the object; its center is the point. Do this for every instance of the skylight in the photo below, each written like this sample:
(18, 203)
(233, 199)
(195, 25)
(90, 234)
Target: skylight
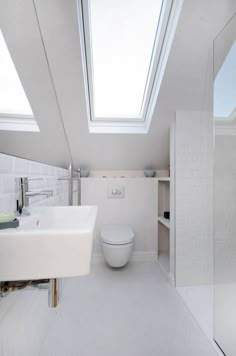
(122, 39)
(14, 105)
(125, 46)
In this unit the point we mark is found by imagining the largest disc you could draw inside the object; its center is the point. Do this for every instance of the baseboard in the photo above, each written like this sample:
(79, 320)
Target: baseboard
(171, 279)
(168, 275)
(144, 256)
(137, 256)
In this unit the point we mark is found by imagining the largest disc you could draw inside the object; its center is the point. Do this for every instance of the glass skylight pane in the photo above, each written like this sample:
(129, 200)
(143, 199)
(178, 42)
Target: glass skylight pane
(122, 40)
(225, 87)
(13, 100)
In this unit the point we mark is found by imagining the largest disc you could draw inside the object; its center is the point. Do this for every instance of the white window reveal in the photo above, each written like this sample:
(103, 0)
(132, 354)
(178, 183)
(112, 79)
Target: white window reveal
(125, 45)
(15, 111)
(225, 88)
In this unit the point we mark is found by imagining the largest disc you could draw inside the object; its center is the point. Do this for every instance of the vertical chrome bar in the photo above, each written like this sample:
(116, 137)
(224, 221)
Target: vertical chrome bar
(79, 186)
(59, 289)
(70, 185)
(53, 293)
(24, 186)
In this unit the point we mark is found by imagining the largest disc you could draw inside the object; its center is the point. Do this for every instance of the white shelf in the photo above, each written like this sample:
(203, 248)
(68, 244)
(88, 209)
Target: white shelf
(163, 221)
(164, 179)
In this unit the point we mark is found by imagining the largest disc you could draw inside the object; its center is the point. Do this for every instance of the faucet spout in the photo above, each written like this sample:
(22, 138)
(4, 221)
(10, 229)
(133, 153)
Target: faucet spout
(34, 193)
(24, 194)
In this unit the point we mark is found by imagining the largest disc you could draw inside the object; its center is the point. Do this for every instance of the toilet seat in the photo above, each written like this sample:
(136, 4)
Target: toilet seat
(117, 234)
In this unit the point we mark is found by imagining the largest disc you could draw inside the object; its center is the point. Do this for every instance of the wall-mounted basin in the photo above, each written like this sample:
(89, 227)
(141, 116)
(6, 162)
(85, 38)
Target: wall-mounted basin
(53, 242)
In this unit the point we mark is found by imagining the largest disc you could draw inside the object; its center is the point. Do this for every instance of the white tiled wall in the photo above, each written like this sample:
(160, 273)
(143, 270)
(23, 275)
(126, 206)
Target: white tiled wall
(194, 198)
(225, 208)
(12, 167)
(138, 208)
(194, 215)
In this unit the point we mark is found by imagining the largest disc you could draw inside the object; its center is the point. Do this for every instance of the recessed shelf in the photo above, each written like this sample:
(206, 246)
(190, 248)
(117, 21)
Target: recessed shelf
(164, 179)
(164, 221)
(165, 229)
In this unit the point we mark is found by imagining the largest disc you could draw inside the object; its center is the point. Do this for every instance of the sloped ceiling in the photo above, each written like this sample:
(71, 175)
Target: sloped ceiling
(19, 25)
(43, 39)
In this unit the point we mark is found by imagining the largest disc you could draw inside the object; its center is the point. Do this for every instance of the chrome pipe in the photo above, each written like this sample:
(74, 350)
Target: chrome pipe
(53, 286)
(79, 185)
(24, 186)
(35, 178)
(53, 293)
(71, 180)
(70, 185)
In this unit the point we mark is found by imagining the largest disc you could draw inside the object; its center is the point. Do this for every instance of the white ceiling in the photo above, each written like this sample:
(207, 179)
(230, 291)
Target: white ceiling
(51, 72)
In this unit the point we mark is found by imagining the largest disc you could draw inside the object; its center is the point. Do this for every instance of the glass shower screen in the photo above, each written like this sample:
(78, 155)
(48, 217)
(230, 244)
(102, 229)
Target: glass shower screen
(225, 189)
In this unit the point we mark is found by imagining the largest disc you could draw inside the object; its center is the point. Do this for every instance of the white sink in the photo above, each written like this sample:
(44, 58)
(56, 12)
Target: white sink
(53, 242)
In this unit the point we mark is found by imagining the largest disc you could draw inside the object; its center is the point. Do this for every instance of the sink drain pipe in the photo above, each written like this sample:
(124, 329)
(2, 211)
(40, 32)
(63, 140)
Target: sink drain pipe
(52, 285)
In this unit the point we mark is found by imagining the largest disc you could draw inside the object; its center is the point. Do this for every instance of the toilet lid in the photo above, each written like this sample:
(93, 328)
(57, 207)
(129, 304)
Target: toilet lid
(117, 234)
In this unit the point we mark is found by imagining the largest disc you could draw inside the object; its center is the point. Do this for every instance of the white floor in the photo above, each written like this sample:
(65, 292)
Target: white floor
(200, 301)
(129, 312)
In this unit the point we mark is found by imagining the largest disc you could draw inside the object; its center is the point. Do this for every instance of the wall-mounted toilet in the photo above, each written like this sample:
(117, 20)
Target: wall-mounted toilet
(117, 244)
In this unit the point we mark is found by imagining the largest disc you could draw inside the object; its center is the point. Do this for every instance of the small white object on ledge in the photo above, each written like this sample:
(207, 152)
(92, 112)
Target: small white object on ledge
(149, 173)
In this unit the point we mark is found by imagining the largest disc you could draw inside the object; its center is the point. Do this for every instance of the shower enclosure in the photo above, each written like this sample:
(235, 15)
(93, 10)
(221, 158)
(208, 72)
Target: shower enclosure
(225, 189)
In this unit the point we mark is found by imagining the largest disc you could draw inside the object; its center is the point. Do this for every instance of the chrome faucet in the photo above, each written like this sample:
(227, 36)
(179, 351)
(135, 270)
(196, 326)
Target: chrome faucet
(24, 193)
(70, 180)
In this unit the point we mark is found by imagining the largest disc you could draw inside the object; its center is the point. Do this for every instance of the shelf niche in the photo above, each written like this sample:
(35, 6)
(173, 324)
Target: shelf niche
(164, 228)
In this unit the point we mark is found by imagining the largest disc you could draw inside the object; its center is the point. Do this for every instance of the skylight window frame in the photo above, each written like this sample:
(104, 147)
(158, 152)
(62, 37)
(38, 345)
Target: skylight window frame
(167, 22)
(157, 47)
(14, 122)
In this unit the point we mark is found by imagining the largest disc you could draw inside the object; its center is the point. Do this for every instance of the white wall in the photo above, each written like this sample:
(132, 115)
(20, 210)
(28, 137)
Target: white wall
(138, 208)
(12, 167)
(194, 198)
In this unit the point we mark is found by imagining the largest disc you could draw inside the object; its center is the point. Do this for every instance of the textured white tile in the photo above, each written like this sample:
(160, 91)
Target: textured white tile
(138, 208)
(12, 167)
(5, 163)
(7, 183)
(194, 198)
(20, 166)
(7, 202)
(34, 168)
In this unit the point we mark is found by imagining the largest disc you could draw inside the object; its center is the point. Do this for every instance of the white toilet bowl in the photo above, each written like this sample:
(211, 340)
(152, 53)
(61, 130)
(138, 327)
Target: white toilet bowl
(117, 244)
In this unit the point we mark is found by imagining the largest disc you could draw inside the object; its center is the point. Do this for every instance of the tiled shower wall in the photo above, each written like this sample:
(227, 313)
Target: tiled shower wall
(194, 198)
(42, 177)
